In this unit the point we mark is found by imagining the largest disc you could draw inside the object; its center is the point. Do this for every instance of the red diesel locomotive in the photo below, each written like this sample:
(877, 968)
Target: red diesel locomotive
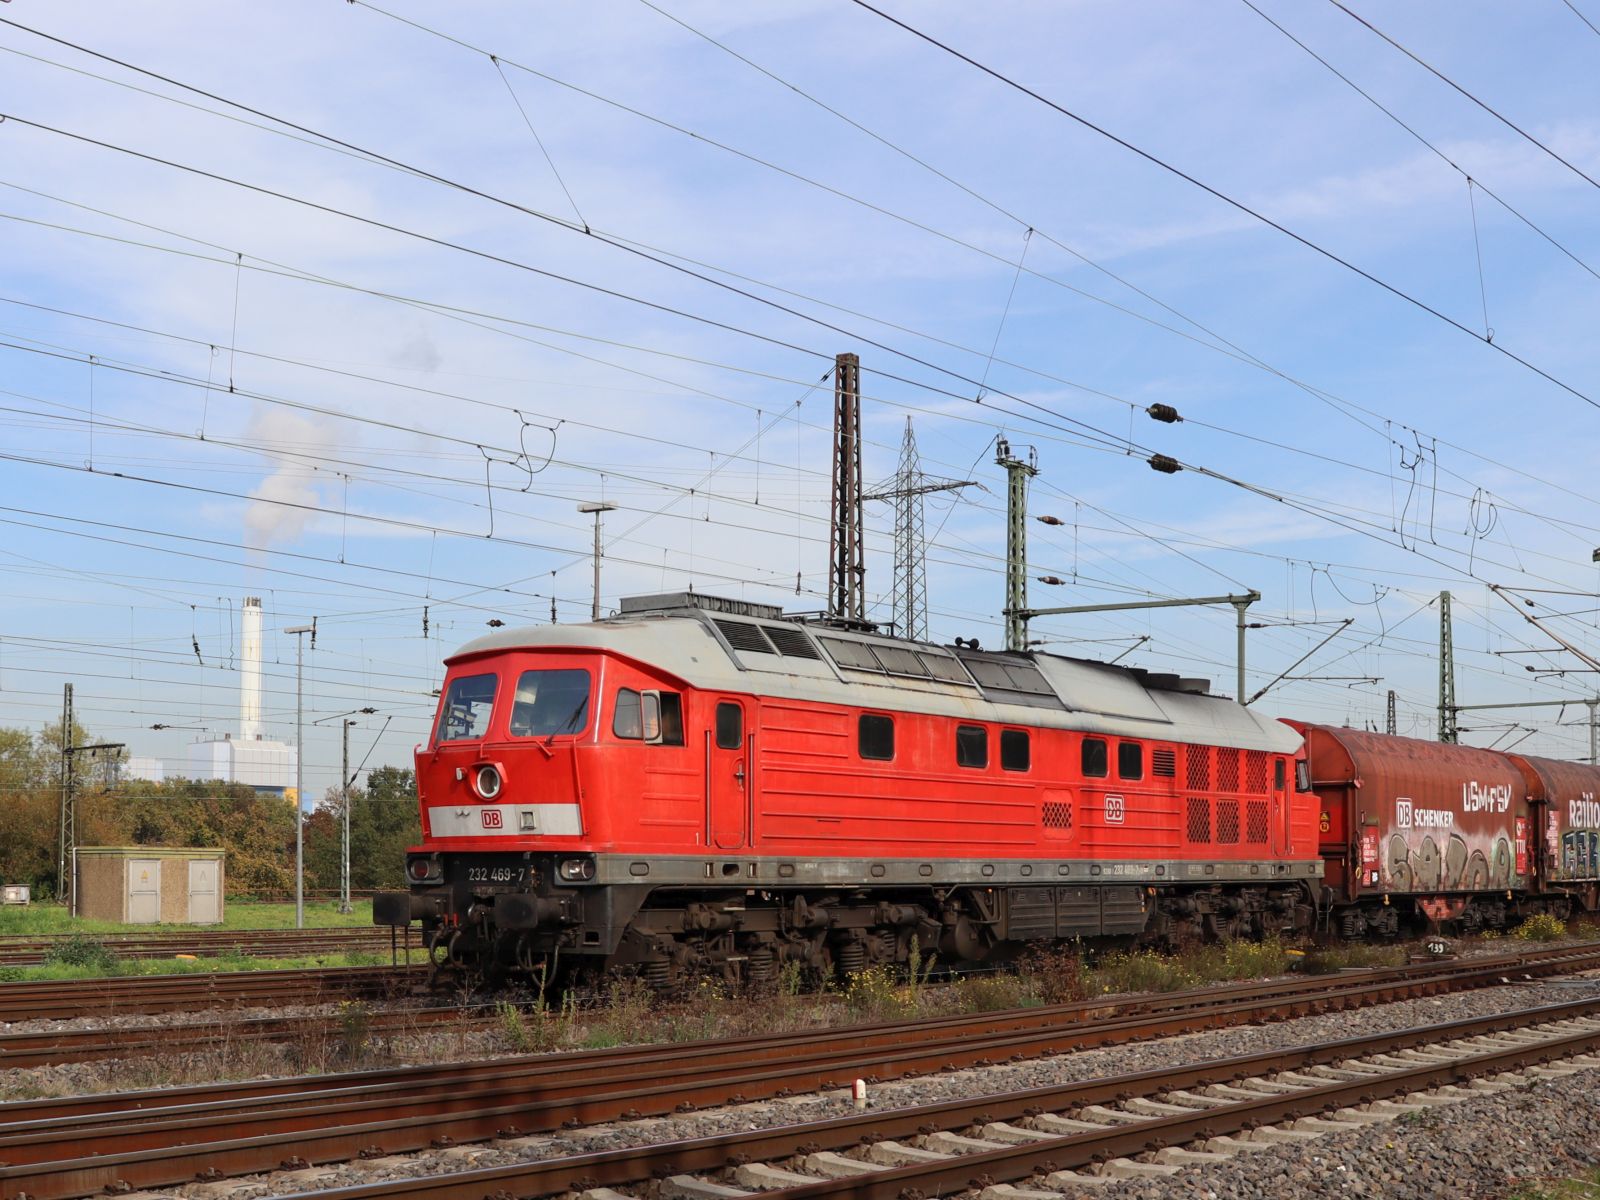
(704, 785)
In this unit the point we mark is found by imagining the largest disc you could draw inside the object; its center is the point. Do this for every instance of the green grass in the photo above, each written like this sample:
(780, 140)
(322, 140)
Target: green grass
(182, 966)
(1584, 1188)
(237, 914)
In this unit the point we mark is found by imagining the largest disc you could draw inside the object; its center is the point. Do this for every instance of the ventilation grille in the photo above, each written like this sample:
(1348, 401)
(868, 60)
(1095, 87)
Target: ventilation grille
(1199, 829)
(1227, 822)
(1227, 770)
(1255, 822)
(742, 635)
(1164, 762)
(1057, 814)
(1198, 759)
(791, 643)
(1255, 771)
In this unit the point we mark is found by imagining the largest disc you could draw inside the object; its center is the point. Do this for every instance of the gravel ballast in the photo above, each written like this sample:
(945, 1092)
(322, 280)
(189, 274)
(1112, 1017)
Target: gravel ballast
(1475, 1148)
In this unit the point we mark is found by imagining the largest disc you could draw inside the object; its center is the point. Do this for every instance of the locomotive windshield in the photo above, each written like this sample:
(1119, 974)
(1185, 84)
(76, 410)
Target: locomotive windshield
(550, 702)
(465, 715)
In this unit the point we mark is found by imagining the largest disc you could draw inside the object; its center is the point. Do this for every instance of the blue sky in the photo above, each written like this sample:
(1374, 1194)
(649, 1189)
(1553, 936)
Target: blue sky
(411, 425)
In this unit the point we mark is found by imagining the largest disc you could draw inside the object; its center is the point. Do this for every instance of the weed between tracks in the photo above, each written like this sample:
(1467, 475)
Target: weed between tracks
(91, 958)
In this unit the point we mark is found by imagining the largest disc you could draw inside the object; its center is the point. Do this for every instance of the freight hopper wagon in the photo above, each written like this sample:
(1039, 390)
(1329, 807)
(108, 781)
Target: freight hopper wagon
(704, 785)
(1419, 833)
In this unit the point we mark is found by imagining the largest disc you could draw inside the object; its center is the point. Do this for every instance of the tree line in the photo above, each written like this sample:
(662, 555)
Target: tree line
(256, 830)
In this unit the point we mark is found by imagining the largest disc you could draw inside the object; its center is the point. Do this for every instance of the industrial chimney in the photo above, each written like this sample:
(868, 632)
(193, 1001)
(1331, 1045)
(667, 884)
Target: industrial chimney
(250, 671)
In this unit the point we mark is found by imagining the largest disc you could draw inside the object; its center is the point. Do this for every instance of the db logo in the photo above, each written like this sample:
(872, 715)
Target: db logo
(491, 818)
(1402, 813)
(1115, 810)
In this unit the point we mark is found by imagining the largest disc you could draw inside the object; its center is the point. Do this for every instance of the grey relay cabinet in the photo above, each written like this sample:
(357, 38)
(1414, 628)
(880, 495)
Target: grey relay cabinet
(146, 885)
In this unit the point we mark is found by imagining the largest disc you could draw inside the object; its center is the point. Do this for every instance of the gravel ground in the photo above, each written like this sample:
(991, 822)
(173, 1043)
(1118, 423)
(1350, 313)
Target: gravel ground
(1544, 1131)
(1480, 1149)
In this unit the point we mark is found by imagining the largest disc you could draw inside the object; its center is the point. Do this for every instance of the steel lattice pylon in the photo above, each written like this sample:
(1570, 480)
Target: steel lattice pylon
(908, 489)
(910, 549)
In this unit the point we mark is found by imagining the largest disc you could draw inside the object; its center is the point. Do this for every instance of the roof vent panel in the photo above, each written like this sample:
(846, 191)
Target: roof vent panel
(743, 636)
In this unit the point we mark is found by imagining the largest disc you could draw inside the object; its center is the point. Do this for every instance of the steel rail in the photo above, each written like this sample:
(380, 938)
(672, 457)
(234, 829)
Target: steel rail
(18, 1050)
(81, 1176)
(407, 1110)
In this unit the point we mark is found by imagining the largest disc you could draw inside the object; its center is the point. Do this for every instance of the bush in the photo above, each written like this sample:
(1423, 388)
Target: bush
(1141, 971)
(1541, 927)
(876, 994)
(81, 950)
(1055, 973)
(992, 993)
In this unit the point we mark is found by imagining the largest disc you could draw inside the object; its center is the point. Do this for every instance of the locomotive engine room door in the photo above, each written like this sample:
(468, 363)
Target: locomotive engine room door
(728, 780)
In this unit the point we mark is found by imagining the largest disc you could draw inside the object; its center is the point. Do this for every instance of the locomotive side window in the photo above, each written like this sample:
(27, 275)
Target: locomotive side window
(1095, 761)
(972, 746)
(626, 719)
(550, 702)
(465, 713)
(875, 737)
(1014, 750)
(663, 718)
(1130, 760)
(1302, 775)
(1277, 774)
(730, 726)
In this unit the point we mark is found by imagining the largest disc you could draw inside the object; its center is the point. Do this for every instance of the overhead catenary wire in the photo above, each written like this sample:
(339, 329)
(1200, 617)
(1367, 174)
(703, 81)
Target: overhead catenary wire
(1236, 204)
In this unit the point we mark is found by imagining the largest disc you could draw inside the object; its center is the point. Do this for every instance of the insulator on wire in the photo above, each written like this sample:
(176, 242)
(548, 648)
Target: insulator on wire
(1054, 580)
(1164, 412)
(1048, 520)
(1165, 463)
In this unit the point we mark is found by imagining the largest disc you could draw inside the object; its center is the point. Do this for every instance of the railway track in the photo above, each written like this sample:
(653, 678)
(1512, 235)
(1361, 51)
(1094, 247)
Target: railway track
(82, 1045)
(19, 1050)
(19, 950)
(1066, 1139)
(81, 1145)
(122, 995)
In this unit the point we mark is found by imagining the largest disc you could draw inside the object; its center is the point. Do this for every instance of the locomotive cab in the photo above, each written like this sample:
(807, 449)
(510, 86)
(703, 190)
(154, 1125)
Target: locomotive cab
(501, 785)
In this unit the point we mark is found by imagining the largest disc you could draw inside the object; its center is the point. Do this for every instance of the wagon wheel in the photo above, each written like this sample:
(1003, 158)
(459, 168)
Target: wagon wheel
(1427, 863)
(1477, 871)
(1455, 861)
(1500, 869)
(1399, 865)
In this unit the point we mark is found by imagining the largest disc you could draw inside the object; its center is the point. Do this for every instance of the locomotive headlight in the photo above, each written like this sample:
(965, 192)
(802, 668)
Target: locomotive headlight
(486, 781)
(576, 870)
(423, 868)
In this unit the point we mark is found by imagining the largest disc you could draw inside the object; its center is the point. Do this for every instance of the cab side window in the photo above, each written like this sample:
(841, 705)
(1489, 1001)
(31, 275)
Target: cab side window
(626, 718)
(1130, 760)
(1096, 762)
(656, 717)
(972, 746)
(875, 737)
(1014, 750)
(730, 726)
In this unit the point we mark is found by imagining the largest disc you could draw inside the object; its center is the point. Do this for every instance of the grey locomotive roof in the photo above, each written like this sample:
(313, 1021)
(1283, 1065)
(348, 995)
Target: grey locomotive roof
(718, 647)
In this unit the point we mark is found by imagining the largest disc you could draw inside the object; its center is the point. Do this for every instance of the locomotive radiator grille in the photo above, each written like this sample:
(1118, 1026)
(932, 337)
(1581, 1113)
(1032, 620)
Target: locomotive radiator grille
(1227, 822)
(1255, 822)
